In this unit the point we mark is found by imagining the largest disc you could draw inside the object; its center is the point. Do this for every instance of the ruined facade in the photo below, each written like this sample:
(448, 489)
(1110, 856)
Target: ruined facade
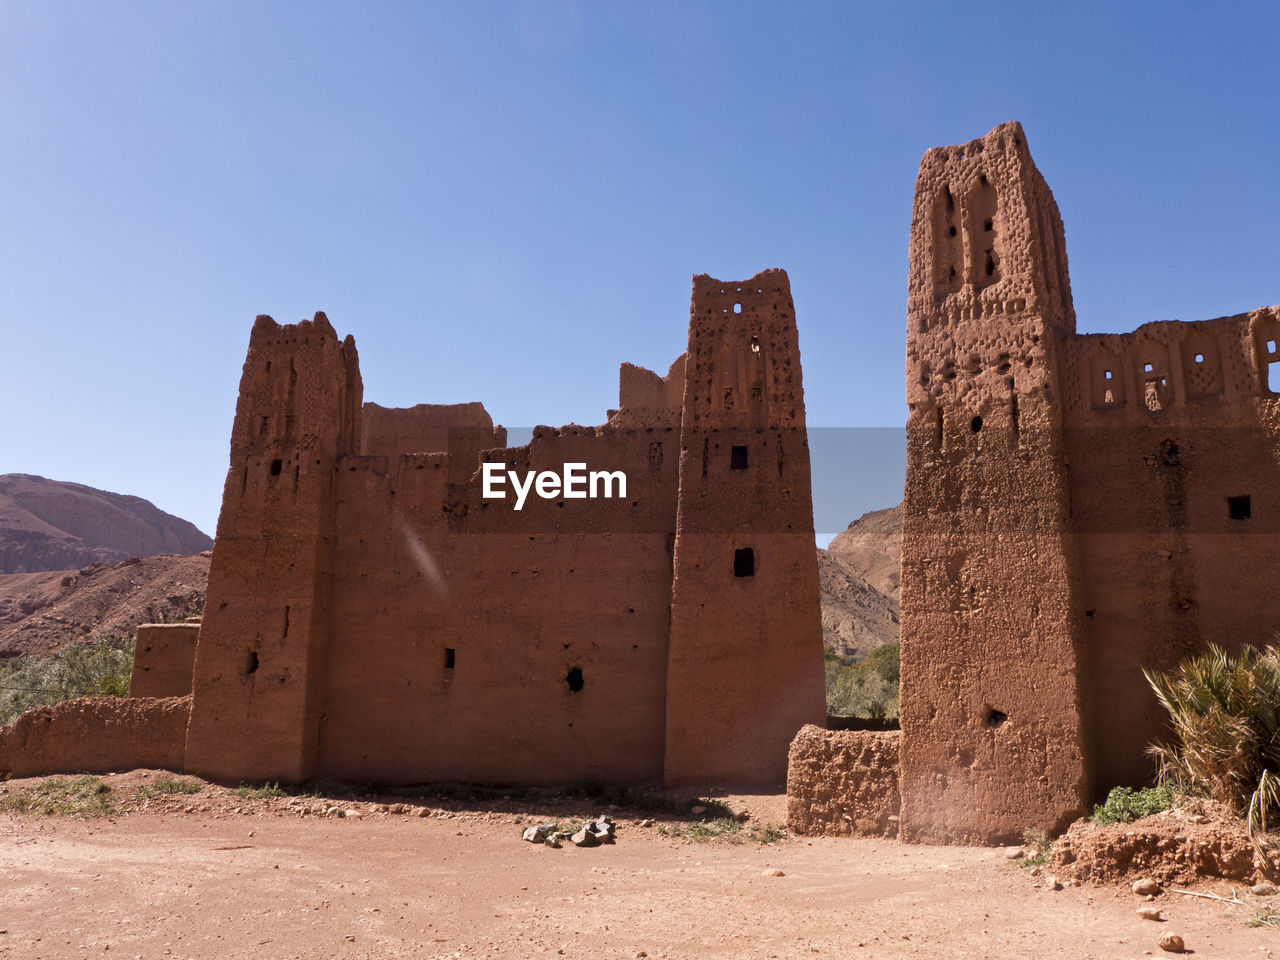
(372, 616)
(1077, 507)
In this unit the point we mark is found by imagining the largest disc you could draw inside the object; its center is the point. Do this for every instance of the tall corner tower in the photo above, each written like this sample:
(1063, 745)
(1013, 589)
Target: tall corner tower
(260, 657)
(746, 633)
(990, 704)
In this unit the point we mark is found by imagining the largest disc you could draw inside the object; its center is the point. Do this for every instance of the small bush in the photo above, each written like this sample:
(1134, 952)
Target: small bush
(866, 687)
(85, 796)
(166, 786)
(725, 830)
(102, 667)
(1038, 845)
(260, 793)
(1225, 714)
(1124, 805)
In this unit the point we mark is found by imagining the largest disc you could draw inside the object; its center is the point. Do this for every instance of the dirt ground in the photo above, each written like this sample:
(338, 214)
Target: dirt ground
(216, 875)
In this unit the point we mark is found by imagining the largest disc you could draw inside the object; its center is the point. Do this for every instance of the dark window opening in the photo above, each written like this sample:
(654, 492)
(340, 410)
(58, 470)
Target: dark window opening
(276, 467)
(996, 718)
(574, 679)
(1239, 508)
(251, 663)
(744, 562)
(1089, 612)
(449, 658)
(975, 424)
(991, 265)
(987, 226)
(737, 458)
(952, 232)
(755, 344)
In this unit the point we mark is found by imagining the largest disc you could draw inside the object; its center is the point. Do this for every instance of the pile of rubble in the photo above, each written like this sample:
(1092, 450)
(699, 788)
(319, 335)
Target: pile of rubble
(593, 834)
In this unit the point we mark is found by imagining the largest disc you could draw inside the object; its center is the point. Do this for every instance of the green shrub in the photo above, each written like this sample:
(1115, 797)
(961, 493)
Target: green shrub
(1124, 805)
(165, 786)
(102, 667)
(1225, 714)
(85, 796)
(866, 687)
(260, 793)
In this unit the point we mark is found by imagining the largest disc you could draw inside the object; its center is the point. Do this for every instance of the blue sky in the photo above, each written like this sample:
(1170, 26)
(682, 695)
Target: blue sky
(503, 201)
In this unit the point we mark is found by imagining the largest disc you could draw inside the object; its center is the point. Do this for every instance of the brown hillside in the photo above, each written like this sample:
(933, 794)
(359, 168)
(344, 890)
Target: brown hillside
(54, 525)
(859, 578)
(40, 613)
(871, 548)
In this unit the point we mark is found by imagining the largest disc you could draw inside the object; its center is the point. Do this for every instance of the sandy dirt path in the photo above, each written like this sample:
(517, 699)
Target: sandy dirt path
(265, 884)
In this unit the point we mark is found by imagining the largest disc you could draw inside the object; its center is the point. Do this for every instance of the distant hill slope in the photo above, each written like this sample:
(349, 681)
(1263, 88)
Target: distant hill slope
(54, 525)
(40, 613)
(859, 575)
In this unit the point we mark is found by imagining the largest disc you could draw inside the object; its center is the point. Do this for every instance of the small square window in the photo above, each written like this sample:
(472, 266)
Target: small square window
(1106, 374)
(448, 658)
(1147, 368)
(744, 562)
(1239, 508)
(1199, 358)
(738, 458)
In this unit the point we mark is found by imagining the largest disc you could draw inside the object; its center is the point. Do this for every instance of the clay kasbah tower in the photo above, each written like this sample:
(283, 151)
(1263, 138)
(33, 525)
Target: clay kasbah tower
(1077, 507)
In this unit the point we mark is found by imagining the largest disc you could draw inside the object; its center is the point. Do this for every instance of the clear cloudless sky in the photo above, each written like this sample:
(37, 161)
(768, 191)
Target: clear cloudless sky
(504, 200)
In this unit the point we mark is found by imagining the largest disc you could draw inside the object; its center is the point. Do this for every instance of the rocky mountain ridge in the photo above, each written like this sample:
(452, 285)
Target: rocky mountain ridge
(48, 525)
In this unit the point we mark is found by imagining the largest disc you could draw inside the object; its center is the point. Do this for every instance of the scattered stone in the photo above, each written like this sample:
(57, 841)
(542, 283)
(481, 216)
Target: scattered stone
(646, 822)
(1263, 889)
(1150, 913)
(351, 813)
(1014, 853)
(584, 838)
(540, 833)
(772, 872)
(698, 809)
(1146, 887)
(1035, 871)
(424, 811)
(1171, 942)
(1053, 883)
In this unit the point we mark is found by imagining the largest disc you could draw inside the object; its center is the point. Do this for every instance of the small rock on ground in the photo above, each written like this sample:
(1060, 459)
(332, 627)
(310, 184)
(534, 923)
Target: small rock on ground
(1145, 887)
(1263, 889)
(1014, 853)
(1172, 943)
(772, 872)
(1150, 913)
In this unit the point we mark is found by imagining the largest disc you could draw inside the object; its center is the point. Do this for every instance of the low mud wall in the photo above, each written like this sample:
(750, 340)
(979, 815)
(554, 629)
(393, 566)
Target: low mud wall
(843, 782)
(163, 659)
(96, 735)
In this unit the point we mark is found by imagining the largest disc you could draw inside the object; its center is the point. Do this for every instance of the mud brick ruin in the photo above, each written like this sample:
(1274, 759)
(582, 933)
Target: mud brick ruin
(1078, 507)
(370, 616)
